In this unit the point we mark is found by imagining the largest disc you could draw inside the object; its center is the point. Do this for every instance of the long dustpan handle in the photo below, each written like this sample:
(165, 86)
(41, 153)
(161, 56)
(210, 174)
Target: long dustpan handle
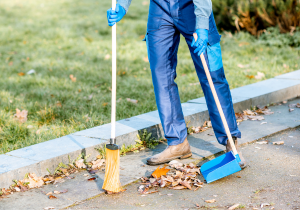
(213, 90)
(114, 79)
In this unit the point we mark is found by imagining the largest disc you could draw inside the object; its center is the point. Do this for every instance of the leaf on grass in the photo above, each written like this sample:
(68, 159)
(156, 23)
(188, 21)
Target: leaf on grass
(21, 116)
(259, 75)
(90, 97)
(72, 78)
(80, 163)
(92, 179)
(278, 142)
(146, 59)
(31, 71)
(52, 197)
(160, 172)
(250, 76)
(132, 100)
(107, 56)
(234, 206)
(210, 201)
(58, 104)
(21, 74)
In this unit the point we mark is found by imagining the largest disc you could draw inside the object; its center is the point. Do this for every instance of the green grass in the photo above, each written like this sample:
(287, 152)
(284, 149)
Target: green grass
(60, 38)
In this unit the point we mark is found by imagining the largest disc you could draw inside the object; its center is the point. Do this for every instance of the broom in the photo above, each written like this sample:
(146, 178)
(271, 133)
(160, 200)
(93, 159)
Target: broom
(112, 182)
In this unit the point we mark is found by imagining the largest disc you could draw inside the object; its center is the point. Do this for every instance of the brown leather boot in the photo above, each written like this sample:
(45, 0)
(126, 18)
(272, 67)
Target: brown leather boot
(170, 153)
(243, 163)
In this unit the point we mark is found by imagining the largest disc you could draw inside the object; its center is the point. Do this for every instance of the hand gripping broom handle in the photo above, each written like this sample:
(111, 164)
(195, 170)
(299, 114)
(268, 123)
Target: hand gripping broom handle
(213, 90)
(114, 80)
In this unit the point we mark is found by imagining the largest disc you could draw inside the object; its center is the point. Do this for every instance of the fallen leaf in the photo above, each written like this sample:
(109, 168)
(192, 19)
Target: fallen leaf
(80, 163)
(238, 176)
(58, 104)
(72, 78)
(49, 193)
(31, 71)
(10, 63)
(264, 204)
(290, 109)
(152, 180)
(175, 164)
(90, 97)
(146, 59)
(262, 142)
(160, 172)
(52, 197)
(179, 187)
(234, 206)
(33, 181)
(17, 189)
(132, 100)
(278, 142)
(107, 57)
(284, 102)
(250, 76)
(56, 192)
(169, 194)
(21, 116)
(259, 75)
(98, 163)
(145, 3)
(48, 208)
(263, 123)
(210, 201)
(92, 179)
(256, 118)
(186, 184)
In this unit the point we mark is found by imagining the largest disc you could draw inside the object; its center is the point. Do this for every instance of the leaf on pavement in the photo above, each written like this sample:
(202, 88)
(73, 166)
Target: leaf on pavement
(186, 184)
(80, 163)
(49, 193)
(210, 201)
(160, 172)
(234, 206)
(98, 163)
(92, 179)
(52, 197)
(33, 181)
(49, 207)
(278, 142)
(180, 187)
(262, 142)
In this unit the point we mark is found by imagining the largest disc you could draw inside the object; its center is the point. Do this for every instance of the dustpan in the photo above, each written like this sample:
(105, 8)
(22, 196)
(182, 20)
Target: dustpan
(228, 163)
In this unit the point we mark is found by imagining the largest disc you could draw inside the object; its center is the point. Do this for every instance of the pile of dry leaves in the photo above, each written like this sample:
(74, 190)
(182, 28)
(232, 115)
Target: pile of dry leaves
(253, 114)
(62, 173)
(180, 176)
(206, 125)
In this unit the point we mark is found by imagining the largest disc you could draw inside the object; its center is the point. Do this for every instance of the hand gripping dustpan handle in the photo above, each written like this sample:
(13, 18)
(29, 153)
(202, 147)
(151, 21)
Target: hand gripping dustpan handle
(213, 90)
(114, 79)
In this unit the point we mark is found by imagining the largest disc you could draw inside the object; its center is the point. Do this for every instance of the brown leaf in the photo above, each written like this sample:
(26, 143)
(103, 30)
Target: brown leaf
(21, 116)
(72, 78)
(58, 104)
(146, 59)
(179, 187)
(210, 201)
(234, 206)
(11, 63)
(278, 142)
(250, 76)
(80, 163)
(49, 207)
(160, 172)
(33, 181)
(49, 193)
(98, 163)
(52, 197)
(21, 74)
(92, 179)
(56, 192)
(186, 184)
(259, 75)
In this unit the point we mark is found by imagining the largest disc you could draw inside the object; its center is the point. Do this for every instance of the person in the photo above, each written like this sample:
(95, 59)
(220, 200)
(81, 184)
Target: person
(168, 19)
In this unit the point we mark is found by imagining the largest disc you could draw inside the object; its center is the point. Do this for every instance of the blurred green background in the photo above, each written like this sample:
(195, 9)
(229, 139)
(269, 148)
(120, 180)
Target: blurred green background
(58, 39)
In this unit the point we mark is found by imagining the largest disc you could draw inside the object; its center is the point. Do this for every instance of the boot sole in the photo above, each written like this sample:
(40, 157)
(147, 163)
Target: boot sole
(166, 161)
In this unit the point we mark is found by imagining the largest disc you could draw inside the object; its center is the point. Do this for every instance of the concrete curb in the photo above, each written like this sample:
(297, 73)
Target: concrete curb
(47, 155)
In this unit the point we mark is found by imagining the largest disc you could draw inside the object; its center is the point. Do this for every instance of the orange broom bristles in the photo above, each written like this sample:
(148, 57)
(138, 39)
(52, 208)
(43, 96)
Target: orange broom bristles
(112, 172)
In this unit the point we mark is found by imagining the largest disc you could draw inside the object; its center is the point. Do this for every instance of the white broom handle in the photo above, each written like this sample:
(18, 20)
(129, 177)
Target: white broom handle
(213, 90)
(114, 76)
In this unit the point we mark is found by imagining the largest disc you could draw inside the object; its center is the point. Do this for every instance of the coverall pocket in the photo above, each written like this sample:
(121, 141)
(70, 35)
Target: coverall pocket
(154, 23)
(147, 43)
(214, 55)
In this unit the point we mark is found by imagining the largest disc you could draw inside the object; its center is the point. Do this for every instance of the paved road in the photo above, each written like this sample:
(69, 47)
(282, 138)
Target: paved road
(273, 177)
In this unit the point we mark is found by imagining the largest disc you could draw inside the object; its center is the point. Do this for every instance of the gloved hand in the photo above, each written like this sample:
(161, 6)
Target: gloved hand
(114, 16)
(202, 41)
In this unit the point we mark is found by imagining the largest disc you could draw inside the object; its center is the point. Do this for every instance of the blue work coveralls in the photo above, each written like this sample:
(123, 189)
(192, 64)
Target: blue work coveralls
(166, 21)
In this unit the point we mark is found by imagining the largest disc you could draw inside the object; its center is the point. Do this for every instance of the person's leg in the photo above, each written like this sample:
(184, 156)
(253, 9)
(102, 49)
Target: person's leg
(162, 43)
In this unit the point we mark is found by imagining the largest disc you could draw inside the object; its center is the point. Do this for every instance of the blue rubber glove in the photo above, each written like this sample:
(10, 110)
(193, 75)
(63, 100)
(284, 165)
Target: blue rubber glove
(114, 16)
(202, 41)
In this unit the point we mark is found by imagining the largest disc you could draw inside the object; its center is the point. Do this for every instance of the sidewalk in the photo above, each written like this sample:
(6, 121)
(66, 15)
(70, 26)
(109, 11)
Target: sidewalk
(133, 166)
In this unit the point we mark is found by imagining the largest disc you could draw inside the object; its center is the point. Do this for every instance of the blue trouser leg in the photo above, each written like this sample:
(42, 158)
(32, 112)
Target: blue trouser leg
(163, 44)
(167, 19)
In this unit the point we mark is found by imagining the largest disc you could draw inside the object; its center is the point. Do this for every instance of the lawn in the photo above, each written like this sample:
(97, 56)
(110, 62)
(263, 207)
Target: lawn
(70, 37)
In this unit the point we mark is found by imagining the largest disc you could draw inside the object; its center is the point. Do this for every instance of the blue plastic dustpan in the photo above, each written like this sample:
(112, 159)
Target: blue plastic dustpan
(220, 167)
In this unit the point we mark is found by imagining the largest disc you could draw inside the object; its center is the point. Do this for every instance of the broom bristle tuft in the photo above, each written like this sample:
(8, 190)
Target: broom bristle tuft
(112, 174)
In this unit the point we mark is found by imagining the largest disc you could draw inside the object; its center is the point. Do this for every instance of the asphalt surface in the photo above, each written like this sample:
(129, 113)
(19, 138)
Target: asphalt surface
(273, 177)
